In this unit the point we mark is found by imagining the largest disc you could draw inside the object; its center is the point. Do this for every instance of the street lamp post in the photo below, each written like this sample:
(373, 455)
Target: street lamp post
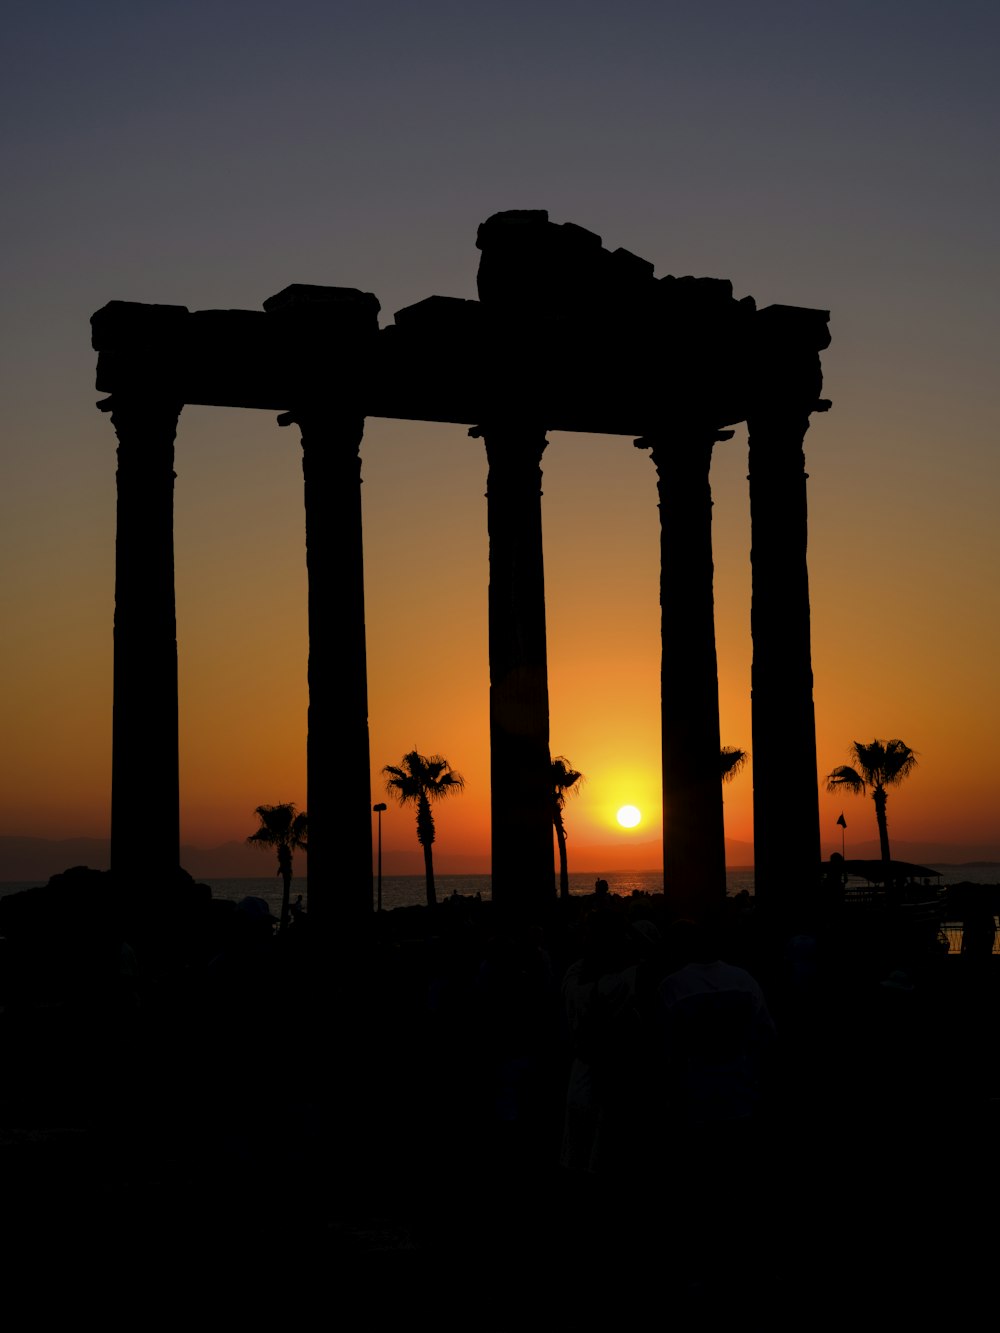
(378, 810)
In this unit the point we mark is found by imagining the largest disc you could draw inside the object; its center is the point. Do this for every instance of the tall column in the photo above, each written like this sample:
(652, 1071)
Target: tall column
(787, 380)
(145, 795)
(338, 763)
(323, 339)
(694, 849)
(785, 784)
(520, 764)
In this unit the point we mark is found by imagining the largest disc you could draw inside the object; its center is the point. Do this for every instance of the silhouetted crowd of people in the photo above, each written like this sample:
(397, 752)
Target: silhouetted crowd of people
(611, 1091)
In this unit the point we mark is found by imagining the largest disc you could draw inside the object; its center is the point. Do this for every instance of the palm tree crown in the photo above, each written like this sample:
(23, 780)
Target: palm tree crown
(284, 830)
(878, 765)
(731, 761)
(566, 781)
(422, 779)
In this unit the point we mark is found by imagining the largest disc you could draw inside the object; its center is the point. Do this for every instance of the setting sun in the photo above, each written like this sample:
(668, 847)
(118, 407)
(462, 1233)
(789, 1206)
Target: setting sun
(629, 816)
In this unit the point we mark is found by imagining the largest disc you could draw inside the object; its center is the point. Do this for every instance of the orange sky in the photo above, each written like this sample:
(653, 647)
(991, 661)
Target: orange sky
(861, 191)
(241, 614)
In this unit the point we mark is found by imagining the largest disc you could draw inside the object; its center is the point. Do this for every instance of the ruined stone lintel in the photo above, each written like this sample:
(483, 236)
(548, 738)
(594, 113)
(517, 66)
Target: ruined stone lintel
(444, 359)
(307, 342)
(145, 790)
(338, 757)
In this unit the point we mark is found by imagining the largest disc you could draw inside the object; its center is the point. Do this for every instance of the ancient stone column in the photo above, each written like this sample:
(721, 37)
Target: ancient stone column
(786, 799)
(145, 801)
(694, 851)
(338, 761)
(786, 793)
(520, 772)
(322, 339)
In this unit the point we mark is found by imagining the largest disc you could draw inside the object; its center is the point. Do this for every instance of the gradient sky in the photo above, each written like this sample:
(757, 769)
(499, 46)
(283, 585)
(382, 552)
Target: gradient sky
(839, 156)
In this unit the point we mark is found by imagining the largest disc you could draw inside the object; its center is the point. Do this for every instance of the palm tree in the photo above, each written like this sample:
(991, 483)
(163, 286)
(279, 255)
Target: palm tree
(283, 829)
(566, 781)
(878, 765)
(422, 780)
(731, 761)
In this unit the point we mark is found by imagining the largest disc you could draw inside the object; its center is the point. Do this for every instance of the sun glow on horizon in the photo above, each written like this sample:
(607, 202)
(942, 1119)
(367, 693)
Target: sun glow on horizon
(629, 816)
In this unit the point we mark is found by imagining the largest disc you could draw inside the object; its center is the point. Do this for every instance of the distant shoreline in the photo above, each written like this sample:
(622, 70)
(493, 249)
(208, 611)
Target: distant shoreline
(410, 890)
(940, 867)
(31, 881)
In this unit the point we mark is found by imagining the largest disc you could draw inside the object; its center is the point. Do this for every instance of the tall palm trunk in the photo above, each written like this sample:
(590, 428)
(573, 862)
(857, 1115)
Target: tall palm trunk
(286, 894)
(425, 836)
(563, 866)
(880, 796)
(429, 872)
(285, 871)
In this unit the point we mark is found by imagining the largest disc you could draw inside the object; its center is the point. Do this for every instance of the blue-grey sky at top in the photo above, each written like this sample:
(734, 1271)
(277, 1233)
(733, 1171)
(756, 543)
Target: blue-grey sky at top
(244, 131)
(841, 156)
(208, 153)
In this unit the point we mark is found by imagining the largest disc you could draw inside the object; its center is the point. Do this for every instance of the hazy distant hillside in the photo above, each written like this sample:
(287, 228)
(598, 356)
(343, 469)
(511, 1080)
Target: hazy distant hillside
(40, 858)
(922, 853)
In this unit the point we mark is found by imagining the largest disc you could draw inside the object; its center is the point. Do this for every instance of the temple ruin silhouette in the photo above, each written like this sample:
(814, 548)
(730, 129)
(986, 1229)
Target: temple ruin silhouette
(566, 335)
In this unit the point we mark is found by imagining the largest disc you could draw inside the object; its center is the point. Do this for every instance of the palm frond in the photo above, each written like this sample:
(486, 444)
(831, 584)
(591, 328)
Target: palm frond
(870, 759)
(443, 778)
(732, 760)
(419, 776)
(883, 763)
(299, 830)
(566, 780)
(845, 776)
(400, 783)
(900, 761)
(277, 823)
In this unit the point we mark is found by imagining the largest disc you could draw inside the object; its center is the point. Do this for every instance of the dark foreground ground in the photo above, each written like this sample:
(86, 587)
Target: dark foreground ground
(225, 1124)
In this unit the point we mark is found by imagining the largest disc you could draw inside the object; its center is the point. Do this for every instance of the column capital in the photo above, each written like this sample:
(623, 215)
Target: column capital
(145, 428)
(514, 453)
(140, 406)
(508, 427)
(683, 449)
(679, 433)
(319, 416)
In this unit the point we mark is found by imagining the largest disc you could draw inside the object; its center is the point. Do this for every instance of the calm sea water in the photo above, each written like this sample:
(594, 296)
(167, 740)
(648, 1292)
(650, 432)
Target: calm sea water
(410, 890)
